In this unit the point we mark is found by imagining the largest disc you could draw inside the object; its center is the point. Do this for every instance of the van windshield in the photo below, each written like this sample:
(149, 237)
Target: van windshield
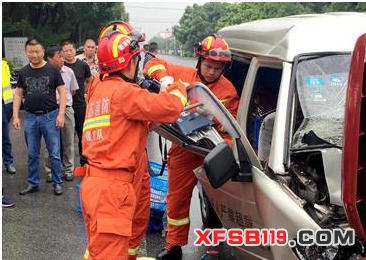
(321, 85)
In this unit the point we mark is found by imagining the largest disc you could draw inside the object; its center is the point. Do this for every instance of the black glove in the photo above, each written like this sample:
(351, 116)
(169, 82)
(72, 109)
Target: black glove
(151, 85)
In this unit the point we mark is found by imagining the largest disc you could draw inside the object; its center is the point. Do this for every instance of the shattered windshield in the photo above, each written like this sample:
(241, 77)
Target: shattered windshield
(321, 85)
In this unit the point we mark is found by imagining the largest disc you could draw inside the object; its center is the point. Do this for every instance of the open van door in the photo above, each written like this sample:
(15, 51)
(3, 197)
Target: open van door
(194, 131)
(354, 142)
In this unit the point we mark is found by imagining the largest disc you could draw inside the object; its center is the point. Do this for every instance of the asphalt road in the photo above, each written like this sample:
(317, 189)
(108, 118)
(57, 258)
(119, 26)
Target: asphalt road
(43, 226)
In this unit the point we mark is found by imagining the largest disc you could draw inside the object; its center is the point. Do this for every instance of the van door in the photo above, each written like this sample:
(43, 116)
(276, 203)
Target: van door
(234, 201)
(277, 207)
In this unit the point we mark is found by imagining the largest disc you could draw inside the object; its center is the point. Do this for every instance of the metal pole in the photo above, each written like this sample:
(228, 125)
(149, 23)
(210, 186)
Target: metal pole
(175, 51)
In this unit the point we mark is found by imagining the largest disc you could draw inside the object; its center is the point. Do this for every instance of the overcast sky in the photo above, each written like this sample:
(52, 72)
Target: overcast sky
(155, 17)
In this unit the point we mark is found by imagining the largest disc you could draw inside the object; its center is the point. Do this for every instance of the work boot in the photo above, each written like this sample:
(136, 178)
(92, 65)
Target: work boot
(170, 253)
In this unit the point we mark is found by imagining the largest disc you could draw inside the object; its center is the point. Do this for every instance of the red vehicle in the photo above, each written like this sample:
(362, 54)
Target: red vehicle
(354, 143)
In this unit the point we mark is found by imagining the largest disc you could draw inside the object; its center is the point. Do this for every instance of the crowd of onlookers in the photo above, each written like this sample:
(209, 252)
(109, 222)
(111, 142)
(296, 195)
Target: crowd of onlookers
(53, 91)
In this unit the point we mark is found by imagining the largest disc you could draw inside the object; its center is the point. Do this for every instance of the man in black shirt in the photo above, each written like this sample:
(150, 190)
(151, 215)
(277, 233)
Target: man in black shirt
(83, 76)
(38, 82)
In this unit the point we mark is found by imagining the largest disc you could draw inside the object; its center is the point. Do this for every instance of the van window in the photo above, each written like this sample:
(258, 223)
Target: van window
(237, 73)
(262, 110)
(321, 85)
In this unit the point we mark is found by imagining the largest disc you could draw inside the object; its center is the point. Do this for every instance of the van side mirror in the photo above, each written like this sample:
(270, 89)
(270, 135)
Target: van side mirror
(220, 165)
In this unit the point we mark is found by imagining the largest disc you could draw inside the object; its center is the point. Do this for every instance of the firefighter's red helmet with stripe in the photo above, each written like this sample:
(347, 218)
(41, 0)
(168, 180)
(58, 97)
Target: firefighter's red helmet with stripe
(115, 51)
(214, 47)
(124, 28)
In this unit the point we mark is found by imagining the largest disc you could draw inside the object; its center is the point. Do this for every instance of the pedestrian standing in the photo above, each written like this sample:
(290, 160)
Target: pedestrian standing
(83, 76)
(55, 57)
(7, 105)
(90, 56)
(38, 82)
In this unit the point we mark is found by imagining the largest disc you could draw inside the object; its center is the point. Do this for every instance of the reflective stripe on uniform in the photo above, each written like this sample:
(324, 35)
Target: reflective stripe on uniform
(179, 94)
(115, 45)
(6, 88)
(223, 101)
(133, 251)
(155, 68)
(86, 254)
(178, 222)
(7, 94)
(98, 121)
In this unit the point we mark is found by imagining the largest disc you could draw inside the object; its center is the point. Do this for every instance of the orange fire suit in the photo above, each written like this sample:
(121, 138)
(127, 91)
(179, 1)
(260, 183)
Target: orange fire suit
(181, 163)
(114, 140)
(141, 185)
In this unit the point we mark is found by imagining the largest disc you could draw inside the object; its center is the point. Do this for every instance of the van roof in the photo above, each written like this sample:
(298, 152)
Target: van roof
(287, 37)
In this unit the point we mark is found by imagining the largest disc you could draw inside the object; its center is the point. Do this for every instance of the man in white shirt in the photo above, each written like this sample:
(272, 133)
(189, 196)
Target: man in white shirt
(55, 57)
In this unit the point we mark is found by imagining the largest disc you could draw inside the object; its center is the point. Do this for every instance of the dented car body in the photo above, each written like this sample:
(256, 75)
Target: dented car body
(298, 156)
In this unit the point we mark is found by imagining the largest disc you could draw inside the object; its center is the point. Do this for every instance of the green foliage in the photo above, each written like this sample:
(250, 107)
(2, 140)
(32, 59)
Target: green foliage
(200, 21)
(345, 7)
(245, 12)
(53, 22)
(197, 22)
(164, 44)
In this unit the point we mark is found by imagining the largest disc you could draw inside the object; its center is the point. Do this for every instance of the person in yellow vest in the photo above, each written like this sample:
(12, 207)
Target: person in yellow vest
(7, 114)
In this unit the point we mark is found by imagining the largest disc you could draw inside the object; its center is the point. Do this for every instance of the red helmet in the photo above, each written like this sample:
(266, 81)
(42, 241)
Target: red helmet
(214, 47)
(123, 27)
(115, 51)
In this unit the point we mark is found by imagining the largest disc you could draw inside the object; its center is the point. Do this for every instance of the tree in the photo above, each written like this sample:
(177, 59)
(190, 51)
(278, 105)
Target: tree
(52, 22)
(345, 7)
(198, 22)
(244, 12)
(164, 43)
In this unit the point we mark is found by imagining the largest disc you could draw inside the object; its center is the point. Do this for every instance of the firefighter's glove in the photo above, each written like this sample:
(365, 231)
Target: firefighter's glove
(151, 85)
(165, 82)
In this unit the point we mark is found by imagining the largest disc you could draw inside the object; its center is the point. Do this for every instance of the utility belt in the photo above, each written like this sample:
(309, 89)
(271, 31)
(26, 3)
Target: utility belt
(112, 174)
(42, 112)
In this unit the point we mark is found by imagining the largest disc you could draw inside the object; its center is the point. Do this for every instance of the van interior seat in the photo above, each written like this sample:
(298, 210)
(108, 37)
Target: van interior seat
(265, 138)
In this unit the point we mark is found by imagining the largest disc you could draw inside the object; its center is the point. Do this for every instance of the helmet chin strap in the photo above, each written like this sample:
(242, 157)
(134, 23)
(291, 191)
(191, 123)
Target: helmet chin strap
(126, 78)
(134, 80)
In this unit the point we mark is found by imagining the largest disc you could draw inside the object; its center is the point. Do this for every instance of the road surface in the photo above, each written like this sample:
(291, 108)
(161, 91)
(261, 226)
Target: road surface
(43, 226)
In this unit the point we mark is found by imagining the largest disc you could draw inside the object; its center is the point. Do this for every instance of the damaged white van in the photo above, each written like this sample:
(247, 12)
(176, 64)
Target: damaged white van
(288, 158)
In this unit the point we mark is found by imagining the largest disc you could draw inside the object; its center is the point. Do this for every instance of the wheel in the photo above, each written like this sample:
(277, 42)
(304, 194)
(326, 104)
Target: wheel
(208, 214)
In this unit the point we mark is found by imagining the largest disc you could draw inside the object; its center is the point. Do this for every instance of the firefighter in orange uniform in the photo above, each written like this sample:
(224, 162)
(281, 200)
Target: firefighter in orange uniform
(114, 140)
(141, 181)
(213, 56)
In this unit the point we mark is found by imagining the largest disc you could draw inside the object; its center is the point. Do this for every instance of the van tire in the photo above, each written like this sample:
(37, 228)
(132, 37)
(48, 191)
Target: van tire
(208, 214)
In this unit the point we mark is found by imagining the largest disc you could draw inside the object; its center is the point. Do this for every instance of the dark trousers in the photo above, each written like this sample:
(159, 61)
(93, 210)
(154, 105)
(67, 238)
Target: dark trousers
(79, 114)
(6, 117)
